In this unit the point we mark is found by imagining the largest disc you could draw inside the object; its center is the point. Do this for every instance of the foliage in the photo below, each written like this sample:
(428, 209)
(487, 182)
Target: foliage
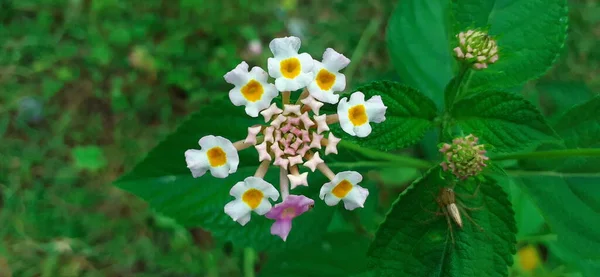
(90, 90)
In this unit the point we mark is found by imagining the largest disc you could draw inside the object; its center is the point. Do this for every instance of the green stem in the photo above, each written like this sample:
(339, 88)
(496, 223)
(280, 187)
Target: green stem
(376, 154)
(551, 154)
(456, 86)
(249, 259)
(361, 48)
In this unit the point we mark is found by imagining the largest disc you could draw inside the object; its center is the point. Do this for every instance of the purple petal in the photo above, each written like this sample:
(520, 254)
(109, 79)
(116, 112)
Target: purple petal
(281, 228)
(299, 203)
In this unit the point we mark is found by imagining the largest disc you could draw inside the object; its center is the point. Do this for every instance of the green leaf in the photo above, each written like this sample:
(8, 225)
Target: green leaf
(580, 128)
(165, 182)
(557, 97)
(409, 115)
(419, 47)
(413, 241)
(530, 36)
(338, 254)
(89, 157)
(570, 203)
(504, 120)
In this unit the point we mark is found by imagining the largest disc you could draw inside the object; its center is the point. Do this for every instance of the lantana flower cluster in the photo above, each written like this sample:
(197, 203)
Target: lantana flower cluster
(477, 48)
(294, 138)
(465, 157)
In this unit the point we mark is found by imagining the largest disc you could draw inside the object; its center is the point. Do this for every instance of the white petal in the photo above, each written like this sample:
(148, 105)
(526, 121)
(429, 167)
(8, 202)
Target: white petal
(207, 142)
(244, 219)
(264, 207)
(375, 109)
(306, 62)
(236, 97)
(238, 76)
(321, 95)
(352, 176)
(342, 111)
(331, 200)
(334, 61)
(233, 159)
(238, 211)
(258, 74)
(356, 98)
(197, 162)
(285, 47)
(269, 93)
(220, 171)
(238, 189)
(274, 67)
(362, 130)
(326, 188)
(265, 187)
(356, 198)
(340, 82)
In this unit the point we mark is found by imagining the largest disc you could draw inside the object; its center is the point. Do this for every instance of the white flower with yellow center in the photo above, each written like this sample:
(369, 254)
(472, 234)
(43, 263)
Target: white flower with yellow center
(251, 88)
(292, 71)
(344, 186)
(250, 195)
(355, 115)
(217, 154)
(327, 77)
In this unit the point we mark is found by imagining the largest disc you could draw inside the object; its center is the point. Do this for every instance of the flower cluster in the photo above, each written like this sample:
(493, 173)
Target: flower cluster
(477, 48)
(464, 157)
(295, 134)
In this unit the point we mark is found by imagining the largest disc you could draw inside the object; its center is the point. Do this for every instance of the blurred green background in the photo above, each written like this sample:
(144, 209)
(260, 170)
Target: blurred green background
(87, 87)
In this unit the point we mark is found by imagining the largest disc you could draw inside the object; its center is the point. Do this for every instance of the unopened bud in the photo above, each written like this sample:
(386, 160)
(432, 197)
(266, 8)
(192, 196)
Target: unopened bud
(476, 48)
(464, 157)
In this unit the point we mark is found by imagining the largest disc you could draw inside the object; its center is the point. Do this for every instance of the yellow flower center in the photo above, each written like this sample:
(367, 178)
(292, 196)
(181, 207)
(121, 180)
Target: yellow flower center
(216, 156)
(528, 258)
(342, 189)
(358, 115)
(290, 68)
(252, 197)
(325, 79)
(253, 91)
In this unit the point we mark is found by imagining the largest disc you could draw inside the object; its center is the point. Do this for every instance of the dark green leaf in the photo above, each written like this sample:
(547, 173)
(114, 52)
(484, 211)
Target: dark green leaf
(338, 254)
(413, 241)
(409, 115)
(504, 120)
(530, 35)
(570, 203)
(418, 43)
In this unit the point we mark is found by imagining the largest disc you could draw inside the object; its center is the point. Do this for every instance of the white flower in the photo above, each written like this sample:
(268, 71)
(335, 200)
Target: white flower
(250, 195)
(355, 115)
(217, 154)
(251, 88)
(292, 71)
(344, 186)
(327, 77)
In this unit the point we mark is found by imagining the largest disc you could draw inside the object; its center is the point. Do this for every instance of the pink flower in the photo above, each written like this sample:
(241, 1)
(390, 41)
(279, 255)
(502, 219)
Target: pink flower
(284, 212)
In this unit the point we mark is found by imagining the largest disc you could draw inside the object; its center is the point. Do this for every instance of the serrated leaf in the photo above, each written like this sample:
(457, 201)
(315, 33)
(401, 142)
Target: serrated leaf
(570, 203)
(413, 242)
(530, 36)
(338, 254)
(506, 121)
(557, 97)
(409, 115)
(580, 128)
(419, 47)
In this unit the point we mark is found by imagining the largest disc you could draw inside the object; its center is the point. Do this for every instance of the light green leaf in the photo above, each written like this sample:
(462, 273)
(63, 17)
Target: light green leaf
(338, 254)
(409, 115)
(417, 39)
(89, 157)
(413, 242)
(530, 35)
(570, 203)
(506, 121)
